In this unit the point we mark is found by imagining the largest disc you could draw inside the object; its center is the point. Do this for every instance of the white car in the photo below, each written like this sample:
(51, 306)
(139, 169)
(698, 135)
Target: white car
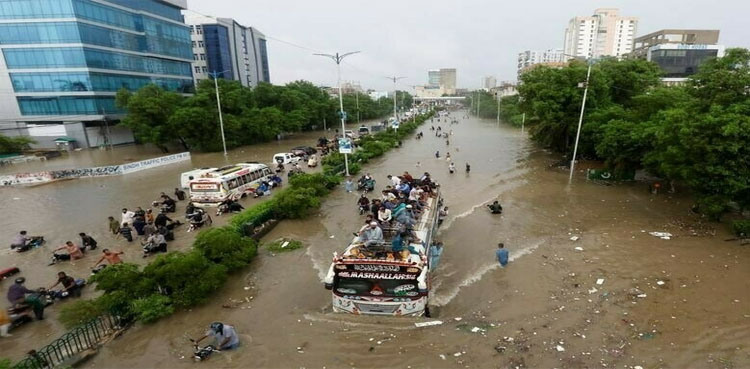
(350, 134)
(285, 158)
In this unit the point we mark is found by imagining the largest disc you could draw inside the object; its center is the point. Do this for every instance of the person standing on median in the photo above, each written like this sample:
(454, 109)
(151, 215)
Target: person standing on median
(501, 254)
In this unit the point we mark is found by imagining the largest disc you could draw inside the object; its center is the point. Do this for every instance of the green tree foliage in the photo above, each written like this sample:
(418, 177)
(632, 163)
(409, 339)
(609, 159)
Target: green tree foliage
(152, 307)
(188, 278)
(149, 110)
(14, 145)
(226, 246)
(697, 135)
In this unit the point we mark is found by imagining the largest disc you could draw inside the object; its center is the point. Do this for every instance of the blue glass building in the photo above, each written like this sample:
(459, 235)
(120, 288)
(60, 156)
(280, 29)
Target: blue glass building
(63, 61)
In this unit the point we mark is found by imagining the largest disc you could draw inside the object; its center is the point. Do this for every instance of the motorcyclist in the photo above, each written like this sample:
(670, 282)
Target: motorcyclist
(71, 287)
(180, 194)
(261, 190)
(275, 181)
(279, 167)
(162, 219)
(168, 203)
(495, 208)
(364, 203)
(87, 241)
(224, 334)
(17, 294)
(155, 243)
(22, 242)
(190, 208)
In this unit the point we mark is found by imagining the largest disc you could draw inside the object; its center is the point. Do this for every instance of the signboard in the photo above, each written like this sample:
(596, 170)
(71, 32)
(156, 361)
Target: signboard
(379, 271)
(345, 146)
(155, 162)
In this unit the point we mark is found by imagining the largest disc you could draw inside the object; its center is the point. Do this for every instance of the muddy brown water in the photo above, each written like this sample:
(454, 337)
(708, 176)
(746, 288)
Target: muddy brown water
(543, 310)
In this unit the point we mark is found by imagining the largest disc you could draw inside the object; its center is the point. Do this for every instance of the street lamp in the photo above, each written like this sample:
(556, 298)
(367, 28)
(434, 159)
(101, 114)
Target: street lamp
(215, 74)
(338, 58)
(394, 79)
(590, 62)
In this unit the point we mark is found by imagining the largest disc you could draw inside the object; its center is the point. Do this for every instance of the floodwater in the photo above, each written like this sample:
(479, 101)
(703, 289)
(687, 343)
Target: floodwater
(545, 309)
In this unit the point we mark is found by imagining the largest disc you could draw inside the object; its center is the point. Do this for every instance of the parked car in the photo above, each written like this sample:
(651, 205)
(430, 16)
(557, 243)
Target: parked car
(285, 158)
(349, 133)
(364, 131)
(303, 151)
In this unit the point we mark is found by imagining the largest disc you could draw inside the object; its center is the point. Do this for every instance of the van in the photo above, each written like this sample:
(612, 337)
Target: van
(364, 131)
(186, 177)
(285, 158)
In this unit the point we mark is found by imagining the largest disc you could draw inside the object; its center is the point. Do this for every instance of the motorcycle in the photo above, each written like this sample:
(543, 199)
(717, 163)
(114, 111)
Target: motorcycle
(62, 294)
(165, 207)
(202, 353)
(198, 219)
(366, 185)
(5, 273)
(33, 242)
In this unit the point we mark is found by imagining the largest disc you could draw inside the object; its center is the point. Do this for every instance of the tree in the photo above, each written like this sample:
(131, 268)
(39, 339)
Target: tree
(149, 110)
(13, 145)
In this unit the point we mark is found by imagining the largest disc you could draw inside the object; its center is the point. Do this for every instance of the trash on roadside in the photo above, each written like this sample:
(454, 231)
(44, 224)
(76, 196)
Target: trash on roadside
(332, 236)
(442, 356)
(662, 235)
(574, 238)
(560, 348)
(660, 283)
(476, 330)
(457, 354)
(642, 295)
(579, 248)
(458, 319)
(427, 324)
(600, 281)
(285, 244)
(593, 290)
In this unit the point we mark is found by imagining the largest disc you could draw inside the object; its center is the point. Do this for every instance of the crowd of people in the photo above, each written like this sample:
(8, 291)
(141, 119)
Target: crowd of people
(394, 213)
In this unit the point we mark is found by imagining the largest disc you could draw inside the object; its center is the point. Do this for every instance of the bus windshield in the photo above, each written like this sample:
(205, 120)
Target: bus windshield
(376, 287)
(204, 187)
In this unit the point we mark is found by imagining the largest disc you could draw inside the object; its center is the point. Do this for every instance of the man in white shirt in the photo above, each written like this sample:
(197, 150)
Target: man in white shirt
(395, 180)
(127, 216)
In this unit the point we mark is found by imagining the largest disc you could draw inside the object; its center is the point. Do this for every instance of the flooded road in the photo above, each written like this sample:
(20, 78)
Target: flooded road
(544, 310)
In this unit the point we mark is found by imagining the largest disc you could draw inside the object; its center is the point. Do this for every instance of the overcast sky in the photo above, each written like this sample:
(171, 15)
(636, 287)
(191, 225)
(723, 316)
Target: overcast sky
(478, 38)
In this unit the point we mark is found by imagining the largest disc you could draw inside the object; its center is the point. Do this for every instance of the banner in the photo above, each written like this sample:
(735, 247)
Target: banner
(27, 179)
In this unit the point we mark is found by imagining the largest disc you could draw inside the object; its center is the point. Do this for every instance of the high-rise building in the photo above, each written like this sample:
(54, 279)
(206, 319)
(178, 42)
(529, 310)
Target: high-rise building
(532, 57)
(63, 61)
(433, 78)
(448, 80)
(678, 52)
(489, 82)
(605, 33)
(228, 48)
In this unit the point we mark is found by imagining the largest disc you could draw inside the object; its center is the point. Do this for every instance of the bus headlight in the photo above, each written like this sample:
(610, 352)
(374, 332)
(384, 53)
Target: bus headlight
(412, 270)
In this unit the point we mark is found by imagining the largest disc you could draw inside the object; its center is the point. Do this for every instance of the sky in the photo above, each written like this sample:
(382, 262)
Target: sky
(408, 37)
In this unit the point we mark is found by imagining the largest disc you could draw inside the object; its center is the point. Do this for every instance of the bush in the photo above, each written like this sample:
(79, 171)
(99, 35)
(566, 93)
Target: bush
(5, 363)
(152, 308)
(322, 184)
(294, 203)
(255, 215)
(226, 246)
(276, 246)
(713, 206)
(79, 311)
(741, 228)
(123, 277)
(188, 278)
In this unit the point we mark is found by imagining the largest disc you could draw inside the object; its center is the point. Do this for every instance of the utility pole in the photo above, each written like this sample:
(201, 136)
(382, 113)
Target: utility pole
(580, 122)
(357, 97)
(215, 74)
(394, 79)
(523, 121)
(497, 101)
(338, 58)
(479, 102)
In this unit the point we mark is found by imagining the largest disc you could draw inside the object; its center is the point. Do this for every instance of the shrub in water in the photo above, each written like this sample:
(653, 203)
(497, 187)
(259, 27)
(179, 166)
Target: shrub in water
(151, 308)
(226, 246)
(188, 278)
(741, 228)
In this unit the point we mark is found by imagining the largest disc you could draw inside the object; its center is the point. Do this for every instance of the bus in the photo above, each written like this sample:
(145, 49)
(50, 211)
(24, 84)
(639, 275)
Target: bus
(230, 182)
(375, 280)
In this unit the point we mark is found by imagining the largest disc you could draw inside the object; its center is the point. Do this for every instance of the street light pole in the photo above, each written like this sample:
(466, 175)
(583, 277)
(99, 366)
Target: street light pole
(215, 74)
(338, 58)
(395, 110)
(580, 122)
(357, 97)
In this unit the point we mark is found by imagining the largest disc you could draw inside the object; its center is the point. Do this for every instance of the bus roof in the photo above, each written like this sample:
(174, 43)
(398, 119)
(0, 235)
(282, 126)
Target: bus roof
(421, 229)
(231, 169)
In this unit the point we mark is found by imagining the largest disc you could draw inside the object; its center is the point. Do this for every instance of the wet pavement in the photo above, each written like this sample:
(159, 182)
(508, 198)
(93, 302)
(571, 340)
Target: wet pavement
(545, 309)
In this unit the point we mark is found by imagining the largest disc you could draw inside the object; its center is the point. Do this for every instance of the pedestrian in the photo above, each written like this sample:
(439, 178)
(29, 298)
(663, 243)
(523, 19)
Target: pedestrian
(114, 225)
(437, 154)
(468, 168)
(149, 216)
(447, 156)
(501, 254)
(452, 168)
(348, 185)
(447, 142)
(87, 241)
(180, 194)
(126, 232)
(112, 257)
(127, 216)
(418, 164)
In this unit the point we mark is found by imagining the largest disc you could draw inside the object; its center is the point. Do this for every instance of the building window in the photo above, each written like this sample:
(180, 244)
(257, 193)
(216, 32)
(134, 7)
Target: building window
(200, 43)
(203, 56)
(195, 56)
(193, 43)
(205, 70)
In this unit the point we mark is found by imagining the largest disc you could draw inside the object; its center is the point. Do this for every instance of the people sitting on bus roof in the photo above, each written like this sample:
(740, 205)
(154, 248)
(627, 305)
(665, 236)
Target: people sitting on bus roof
(384, 215)
(406, 216)
(407, 177)
(372, 235)
(375, 205)
(395, 180)
(404, 188)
